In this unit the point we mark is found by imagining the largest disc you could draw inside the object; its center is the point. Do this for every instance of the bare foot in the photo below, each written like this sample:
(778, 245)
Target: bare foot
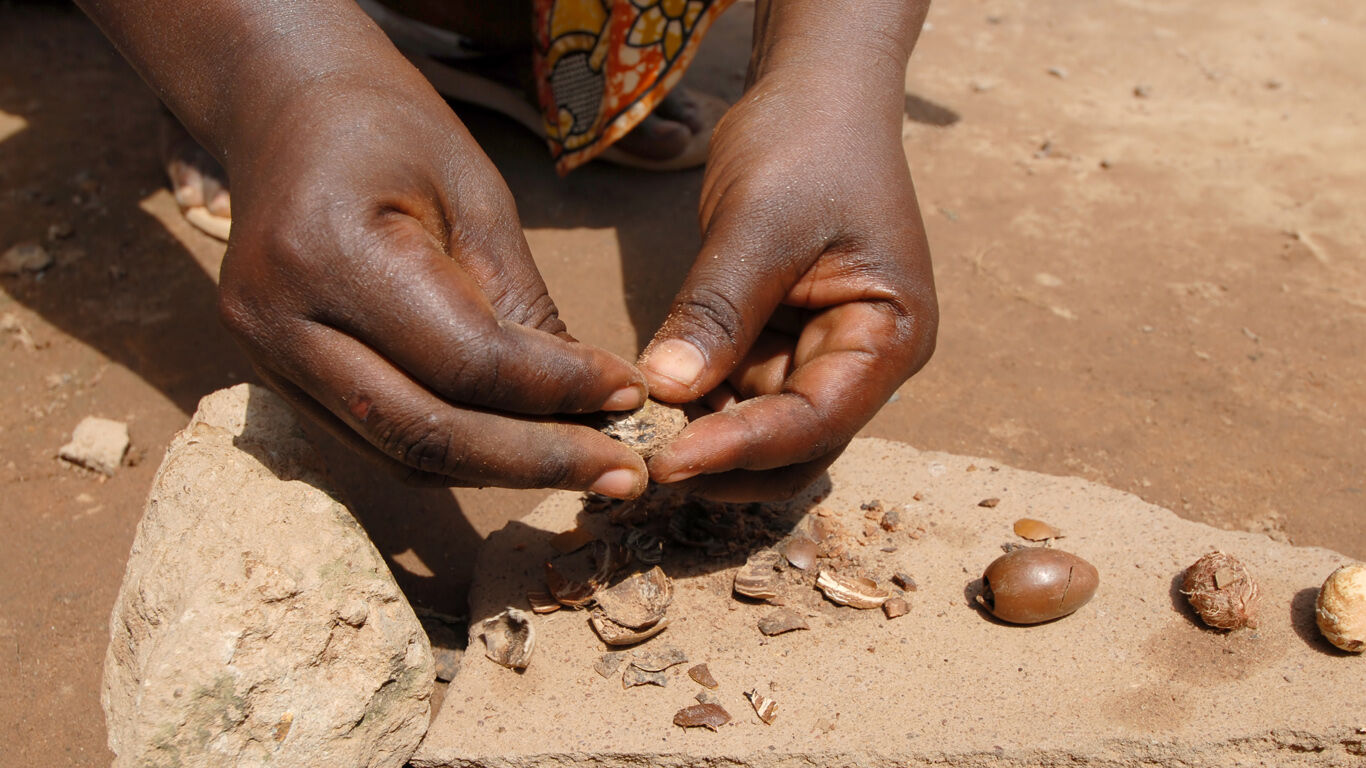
(196, 178)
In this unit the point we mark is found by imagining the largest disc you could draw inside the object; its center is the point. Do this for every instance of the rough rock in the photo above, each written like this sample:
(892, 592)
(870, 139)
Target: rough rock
(1131, 679)
(256, 623)
(97, 444)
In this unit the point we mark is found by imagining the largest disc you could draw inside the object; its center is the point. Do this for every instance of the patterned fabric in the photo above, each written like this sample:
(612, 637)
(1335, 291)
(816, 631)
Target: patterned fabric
(602, 65)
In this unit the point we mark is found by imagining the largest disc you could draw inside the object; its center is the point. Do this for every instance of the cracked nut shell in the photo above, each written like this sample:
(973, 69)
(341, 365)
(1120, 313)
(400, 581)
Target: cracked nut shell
(1341, 608)
(1033, 585)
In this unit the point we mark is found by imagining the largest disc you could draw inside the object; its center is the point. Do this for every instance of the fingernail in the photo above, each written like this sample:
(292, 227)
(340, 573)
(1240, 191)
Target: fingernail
(677, 360)
(625, 399)
(617, 483)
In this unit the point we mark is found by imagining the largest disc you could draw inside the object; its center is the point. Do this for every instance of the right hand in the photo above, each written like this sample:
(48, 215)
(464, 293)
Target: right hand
(378, 277)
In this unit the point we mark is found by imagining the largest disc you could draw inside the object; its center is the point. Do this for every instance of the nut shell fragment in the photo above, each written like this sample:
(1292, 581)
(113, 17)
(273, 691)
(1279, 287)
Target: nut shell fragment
(764, 707)
(1222, 591)
(1032, 585)
(609, 663)
(648, 429)
(989, 503)
(780, 621)
(1341, 608)
(634, 676)
(658, 660)
(711, 716)
(638, 601)
(855, 591)
(542, 602)
(509, 638)
(613, 633)
(1035, 530)
(572, 594)
(895, 608)
(702, 676)
(759, 578)
(801, 552)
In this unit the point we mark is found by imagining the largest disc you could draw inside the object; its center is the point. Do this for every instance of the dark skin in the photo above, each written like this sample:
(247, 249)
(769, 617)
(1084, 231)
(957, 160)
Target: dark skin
(379, 279)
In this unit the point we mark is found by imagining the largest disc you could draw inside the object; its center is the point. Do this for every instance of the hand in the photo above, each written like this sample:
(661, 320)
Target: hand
(811, 300)
(378, 277)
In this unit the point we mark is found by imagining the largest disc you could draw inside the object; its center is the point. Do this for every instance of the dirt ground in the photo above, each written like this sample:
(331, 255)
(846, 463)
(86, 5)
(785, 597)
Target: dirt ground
(1144, 221)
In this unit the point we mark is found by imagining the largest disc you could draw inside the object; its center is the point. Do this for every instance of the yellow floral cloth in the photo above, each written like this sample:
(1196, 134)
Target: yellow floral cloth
(602, 65)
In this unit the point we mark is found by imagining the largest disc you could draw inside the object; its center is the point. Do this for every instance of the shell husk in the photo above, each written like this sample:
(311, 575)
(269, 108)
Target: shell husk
(648, 429)
(710, 716)
(855, 591)
(1035, 530)
(509, 638)
(801, 552)
(758, 578)
(659, 659)
(638, 601)
(781, 621)
(764, 707)
(1222, 591)
(702, 676)
(613, 633)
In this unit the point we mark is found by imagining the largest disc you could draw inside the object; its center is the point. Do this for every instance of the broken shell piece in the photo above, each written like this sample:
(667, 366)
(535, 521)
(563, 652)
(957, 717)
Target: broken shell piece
(638, 601)
(571, 541)
(1035, 530)
(509, 638)
(707, 697)
(658, 660)
(895, 607)
(801, 552)
(904, 581)
(643, 546)
(542, 602)
(634, 676)
(609, 663)
(574, 594)
(648, 429)
(989, 503)
(710, 716)
(855, 592)
(702, 676)
(610, 558)
(759, 578)
(613, 633)
(764, 707)
(780, 621)
(891, 521)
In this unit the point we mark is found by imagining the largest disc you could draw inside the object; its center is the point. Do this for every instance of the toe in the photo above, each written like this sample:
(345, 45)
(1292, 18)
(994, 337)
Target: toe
(657, 138)
(681, 107)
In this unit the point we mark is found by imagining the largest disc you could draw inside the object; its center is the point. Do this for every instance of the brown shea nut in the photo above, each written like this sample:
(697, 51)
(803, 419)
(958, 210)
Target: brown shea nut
(1032, 585)
(646, 430)
(1222, 591)
(1341, 608)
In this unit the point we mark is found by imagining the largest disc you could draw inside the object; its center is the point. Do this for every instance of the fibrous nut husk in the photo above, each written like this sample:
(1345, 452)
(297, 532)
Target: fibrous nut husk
(613, 633)
(780, 621)
(1035, 530)
(1222, 591)
(759, 578)
(659, 659)
(509, 638)
(895, 607)
(853, 591)
(648, 429)
(1034, 584)
(711, 716)
(638, 601)
(702, 676)
(801, 552)
(1341, 608)
(764, 707)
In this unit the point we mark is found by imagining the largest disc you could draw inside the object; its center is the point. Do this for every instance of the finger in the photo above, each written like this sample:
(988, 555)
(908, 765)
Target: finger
(741, 486)
(425, 313)
(765, 367)
(405, 422)
(850, 360)
(741, 274)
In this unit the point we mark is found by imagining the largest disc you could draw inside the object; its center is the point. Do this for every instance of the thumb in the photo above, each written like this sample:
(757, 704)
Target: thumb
(740, 276)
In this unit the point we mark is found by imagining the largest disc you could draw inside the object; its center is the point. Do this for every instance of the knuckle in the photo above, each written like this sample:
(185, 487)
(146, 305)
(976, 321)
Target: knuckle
(712, 312)
(425, 444)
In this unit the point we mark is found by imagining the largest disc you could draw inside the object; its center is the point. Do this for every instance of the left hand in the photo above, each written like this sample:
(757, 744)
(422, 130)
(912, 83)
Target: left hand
(811, 300)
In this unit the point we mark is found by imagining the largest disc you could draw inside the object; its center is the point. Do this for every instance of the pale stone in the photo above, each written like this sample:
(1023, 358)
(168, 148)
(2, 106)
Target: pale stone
(27, 256)
(97, 444)
(256, 624)
(1130, 679)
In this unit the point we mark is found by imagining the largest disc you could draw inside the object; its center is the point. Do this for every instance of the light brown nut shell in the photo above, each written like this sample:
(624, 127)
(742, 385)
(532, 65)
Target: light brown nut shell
(801, 552)
(711, 716)
(701, 675)
(1222, 591)
(758, 578)
(1035, 530)
(781, 621)
(638, 601)
(648, 429)
(613, 633)
(1341, 608)
(509, 638)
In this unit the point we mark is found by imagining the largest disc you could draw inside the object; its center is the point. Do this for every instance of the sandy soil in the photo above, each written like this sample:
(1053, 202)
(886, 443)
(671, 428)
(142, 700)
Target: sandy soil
(1149, 265)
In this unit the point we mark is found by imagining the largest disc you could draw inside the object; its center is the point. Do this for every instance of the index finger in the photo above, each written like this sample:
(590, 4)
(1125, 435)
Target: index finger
(850, 359)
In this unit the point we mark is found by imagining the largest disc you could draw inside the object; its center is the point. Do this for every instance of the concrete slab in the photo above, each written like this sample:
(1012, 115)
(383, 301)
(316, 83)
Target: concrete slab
(1131, 679)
